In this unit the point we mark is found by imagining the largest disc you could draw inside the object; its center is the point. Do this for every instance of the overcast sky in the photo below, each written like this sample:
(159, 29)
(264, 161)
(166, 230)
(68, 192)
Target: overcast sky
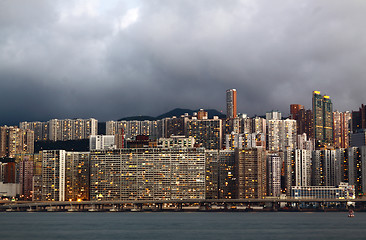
(112, 59)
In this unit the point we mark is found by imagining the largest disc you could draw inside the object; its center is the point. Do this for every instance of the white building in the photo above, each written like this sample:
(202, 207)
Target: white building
(177, 142)
(304, 143)
(234, 140)
(302, 167)
(273, 115)
(297, 168)
(281, 134)
(274, 167)
(102, 142)
(62, 129)
(9, 189)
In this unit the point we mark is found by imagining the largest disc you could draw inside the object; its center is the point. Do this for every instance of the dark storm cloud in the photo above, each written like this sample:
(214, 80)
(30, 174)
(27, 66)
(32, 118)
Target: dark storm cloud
(109, 59)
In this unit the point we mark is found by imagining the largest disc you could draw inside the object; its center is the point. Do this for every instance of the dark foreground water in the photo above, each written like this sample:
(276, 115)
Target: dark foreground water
(182, 225)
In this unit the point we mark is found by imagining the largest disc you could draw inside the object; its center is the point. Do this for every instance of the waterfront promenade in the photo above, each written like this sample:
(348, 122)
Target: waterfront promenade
(268, 204)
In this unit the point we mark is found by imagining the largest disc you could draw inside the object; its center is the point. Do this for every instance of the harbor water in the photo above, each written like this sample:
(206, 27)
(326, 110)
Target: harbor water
(182, 225)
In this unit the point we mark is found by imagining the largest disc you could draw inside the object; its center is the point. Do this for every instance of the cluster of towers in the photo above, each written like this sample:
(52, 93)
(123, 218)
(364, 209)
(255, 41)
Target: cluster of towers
(194, 156)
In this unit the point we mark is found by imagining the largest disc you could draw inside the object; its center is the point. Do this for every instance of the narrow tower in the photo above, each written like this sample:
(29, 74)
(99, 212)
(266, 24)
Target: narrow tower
(231, 103)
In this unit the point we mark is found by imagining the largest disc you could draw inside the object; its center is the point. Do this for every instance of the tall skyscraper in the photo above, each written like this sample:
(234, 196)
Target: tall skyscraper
(341, 122)
(231, 103)
(323, 118)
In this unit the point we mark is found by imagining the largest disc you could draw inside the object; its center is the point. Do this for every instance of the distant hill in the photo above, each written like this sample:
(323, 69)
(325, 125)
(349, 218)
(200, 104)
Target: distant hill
(138, 118)
(175, 112)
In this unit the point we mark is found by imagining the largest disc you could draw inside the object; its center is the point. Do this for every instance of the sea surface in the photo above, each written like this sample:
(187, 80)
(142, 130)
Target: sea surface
(182, 225)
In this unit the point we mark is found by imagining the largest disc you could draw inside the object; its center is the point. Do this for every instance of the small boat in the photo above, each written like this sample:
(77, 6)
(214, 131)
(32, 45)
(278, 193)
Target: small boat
(351, 213)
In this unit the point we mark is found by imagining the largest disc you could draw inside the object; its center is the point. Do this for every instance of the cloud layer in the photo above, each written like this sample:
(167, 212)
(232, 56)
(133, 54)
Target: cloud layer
(86, 58)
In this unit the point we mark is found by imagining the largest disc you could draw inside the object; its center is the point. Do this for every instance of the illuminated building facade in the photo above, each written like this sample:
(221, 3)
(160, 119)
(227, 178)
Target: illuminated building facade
(14, 140)
(102, 142)
(148, 174)
(231, 103)
(274, 175)
(207, 133)
(282, 134)
(227, 179)
(323, 118)
(305, 122)
(343, 191)
(40, 129)
(297, 168)
(273, 115)
(62, 130)
(67, 129)
(259, 125)
(30, 167)
(212, 174)
(234, 140)
(26, 166)
(324, 168)
(357, 168)
(77, 176)
(65, 175)
(130, 129)
(303, 142)
(246, 125)
(175, 126)
(53, 175)
(177, 142)
(251, 173)
(341, 122)
(202, 114)
(294, 110)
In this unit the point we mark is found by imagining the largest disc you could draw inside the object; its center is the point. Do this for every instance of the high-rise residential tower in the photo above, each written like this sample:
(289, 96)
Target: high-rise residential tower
(341, 122)
(323, 118)
(231, 103)
(207, 133)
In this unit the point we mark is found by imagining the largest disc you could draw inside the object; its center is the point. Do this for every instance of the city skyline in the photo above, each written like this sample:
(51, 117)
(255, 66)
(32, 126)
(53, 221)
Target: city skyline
(286, 114)
(85, 59)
